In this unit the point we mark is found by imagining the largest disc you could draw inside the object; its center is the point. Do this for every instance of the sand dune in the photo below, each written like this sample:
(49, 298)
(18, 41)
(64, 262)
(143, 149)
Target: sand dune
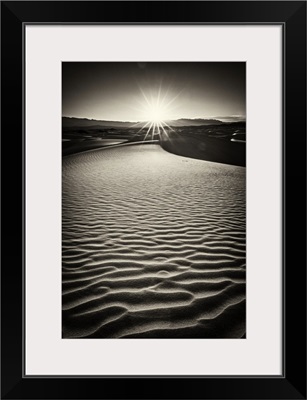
(153, 246)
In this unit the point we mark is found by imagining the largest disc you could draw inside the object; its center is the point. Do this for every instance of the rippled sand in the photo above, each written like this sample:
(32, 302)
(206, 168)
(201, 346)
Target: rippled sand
(153, 246)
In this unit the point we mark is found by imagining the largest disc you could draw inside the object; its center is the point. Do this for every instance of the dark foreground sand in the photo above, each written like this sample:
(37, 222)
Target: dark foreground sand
(153, 245)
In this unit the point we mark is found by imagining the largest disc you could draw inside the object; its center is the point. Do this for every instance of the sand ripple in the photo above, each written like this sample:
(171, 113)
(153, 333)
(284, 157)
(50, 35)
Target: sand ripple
(153, 246)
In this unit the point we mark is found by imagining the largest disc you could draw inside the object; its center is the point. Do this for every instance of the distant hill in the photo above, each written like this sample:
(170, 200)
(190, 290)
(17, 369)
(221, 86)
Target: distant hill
(193, 122)
(68, 122)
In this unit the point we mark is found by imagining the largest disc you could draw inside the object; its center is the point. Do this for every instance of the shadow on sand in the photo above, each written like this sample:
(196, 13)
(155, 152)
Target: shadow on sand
(205, 148)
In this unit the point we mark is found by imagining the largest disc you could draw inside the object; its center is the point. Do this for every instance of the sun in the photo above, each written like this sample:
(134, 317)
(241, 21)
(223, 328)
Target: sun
(156, 113)
(155, 118)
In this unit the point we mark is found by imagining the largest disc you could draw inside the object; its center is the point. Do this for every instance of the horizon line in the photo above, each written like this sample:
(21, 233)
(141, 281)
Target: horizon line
(243, 118)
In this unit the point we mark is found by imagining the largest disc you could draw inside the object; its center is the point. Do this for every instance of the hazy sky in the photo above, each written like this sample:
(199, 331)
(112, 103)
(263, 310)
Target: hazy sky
(121, 91)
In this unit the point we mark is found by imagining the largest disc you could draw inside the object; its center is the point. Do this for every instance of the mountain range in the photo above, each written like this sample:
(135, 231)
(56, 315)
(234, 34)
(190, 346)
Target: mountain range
(71, 122)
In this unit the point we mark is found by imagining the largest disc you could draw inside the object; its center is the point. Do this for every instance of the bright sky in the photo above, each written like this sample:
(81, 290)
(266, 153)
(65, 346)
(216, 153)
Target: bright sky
(120, 91)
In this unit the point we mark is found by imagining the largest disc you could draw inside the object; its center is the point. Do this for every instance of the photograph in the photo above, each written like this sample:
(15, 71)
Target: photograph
(154, 200)
(152, 183)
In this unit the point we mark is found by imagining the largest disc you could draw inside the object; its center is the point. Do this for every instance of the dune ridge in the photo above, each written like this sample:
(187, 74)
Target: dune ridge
(153, 245)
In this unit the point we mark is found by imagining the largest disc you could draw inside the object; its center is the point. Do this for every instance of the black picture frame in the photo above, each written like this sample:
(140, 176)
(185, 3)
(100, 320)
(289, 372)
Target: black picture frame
(292, 16)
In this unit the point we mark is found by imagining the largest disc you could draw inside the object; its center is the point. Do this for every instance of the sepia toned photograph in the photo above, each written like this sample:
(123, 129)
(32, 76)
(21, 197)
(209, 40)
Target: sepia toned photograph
(154, 200)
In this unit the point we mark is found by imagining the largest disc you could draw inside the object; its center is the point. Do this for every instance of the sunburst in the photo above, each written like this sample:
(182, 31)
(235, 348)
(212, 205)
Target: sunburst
(156, 110)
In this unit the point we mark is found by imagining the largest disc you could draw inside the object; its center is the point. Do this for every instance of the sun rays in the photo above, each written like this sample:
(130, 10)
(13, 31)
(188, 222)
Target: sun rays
(156, 108)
